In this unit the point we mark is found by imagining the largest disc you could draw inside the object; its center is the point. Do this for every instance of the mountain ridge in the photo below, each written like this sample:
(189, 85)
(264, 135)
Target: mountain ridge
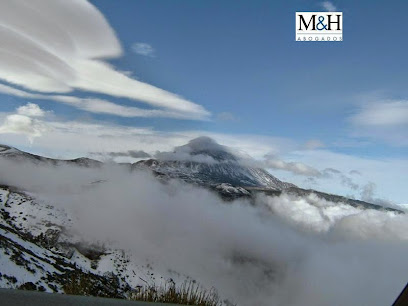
(224, 174)
(18, 155)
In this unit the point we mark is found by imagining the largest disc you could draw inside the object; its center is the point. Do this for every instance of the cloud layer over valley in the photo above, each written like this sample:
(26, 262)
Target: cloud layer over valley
(284, 250)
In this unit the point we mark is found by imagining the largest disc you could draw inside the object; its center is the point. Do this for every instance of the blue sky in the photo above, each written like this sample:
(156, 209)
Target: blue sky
(239, 74)
(240, 57)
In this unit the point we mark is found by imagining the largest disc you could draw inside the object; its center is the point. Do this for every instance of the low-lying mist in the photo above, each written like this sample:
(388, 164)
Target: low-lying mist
(272, 251)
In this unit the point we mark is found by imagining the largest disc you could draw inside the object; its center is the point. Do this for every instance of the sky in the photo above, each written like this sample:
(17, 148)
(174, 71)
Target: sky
(79, 78)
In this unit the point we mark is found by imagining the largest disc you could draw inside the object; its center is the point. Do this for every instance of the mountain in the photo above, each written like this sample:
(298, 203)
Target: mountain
(204, 162)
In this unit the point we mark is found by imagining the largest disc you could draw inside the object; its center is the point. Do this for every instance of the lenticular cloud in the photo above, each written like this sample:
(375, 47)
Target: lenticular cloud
(59, 46)
(42, 37)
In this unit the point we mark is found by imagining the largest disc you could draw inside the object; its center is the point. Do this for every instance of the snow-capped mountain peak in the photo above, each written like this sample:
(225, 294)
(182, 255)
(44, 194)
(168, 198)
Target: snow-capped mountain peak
(208, 147)
(205, 162)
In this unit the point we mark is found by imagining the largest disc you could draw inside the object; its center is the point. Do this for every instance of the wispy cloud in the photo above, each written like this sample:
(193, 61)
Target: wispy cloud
(99, 106)
(313, 144)
(83, 137)
(143, 49)
(294, 167)
(385, 120)
(344, 179)
(129, 153)
(382, 114)
(368, 194)
(328, 6)
(60, 46)
(389, 173)
(354, 172)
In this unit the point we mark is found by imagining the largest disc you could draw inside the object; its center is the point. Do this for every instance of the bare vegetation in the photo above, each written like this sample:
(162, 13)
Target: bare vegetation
(189, 293)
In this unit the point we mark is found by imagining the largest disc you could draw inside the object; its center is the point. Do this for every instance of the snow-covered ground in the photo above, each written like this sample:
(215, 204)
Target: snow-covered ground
(38, 244)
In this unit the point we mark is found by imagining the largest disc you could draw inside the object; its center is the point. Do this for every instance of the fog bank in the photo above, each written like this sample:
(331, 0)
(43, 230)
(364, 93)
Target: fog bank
(277, 251)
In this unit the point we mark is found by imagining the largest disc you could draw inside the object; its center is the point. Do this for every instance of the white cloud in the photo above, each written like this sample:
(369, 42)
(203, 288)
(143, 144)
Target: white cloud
(56, 46)
(31, 110)
(311, 213)
(143, 49)
(328, 6)
(25, 122)
(85, 138)
(20, 124)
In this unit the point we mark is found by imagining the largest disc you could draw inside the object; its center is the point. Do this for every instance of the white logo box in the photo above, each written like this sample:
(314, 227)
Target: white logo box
(319, 26)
